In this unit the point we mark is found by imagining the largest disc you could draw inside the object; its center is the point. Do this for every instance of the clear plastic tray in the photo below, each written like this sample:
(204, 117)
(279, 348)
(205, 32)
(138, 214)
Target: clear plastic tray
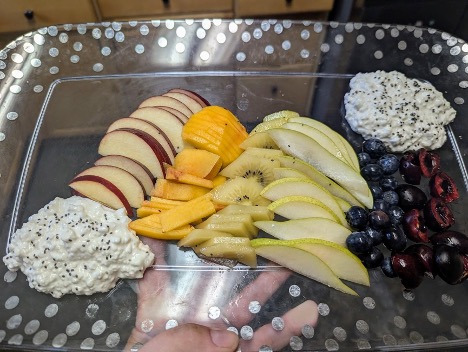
(60, 87)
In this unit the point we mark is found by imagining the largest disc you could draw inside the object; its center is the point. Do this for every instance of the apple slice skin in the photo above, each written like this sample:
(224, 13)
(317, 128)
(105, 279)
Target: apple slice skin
(143, 125)
(140, 172)
(123, 180)
(160, 100)
(158, 151)
(101, 182)
(305, 148)
(304, 263)
(182, 118)
(202, 101)
(192, 104)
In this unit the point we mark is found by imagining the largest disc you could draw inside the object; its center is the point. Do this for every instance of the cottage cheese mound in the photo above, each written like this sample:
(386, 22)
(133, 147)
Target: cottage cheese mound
(79, 246)
(406, 114)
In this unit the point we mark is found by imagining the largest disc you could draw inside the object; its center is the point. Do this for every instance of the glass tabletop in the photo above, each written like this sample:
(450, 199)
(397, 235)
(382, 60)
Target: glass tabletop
(61, 87)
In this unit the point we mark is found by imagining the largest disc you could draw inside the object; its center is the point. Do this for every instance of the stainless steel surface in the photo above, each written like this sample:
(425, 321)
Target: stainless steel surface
(60, 87)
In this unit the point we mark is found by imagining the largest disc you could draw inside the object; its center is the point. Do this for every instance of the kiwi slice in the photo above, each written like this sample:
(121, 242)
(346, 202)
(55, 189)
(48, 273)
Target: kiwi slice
(252, 166)
(238, 190)
(259, 140)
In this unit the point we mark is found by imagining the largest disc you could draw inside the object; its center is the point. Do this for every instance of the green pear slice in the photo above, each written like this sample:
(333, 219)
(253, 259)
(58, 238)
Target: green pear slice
(325, 141)
(306, 187)
(300, 207)
(307, 149)
(319, 228)
(280, 114)
(267, 125)
(346, 149)
(304, 263)
(321, 179)
(197, 236)
(343, 263)
(344, 205)
(284, 172)
(257, 212)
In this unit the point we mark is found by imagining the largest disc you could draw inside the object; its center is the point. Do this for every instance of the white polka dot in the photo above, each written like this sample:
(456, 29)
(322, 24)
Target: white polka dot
(339, 39)
(206, 24)
(98, 327)
(232, 27)
(240, 56)
(180, 47)
(204, 55)
(402, 45)
(162, 42)
(378, 55)
(221, 38)
(144, 30)
(245, 37)
(17, 58)
(379, 34)
(424, 48)
(31, 327)
(408, 61)
(181, 31)
(286, 45)
(40, 337)
(360, 39)
(269, 49)
(73, 328)
(112, 340)
(87, 344)
(435, 71)
(98, 67)
(15, 89)
(452, 68)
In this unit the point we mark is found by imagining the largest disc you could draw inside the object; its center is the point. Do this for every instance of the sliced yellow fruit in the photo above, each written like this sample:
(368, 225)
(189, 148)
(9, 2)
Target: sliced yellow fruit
(197, 236)
(237, 229)
(184, 177)
(156, 232)
(177, 191)
(198, 162)
(300, 207)
(281, 114)
(257, 212)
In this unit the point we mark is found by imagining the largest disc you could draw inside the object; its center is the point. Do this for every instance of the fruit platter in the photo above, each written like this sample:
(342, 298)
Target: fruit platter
(300, 184)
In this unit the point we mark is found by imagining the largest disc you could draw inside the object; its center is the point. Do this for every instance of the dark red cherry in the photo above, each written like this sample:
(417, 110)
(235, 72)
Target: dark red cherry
(429, 162)
(409, 168)
(414, 226)
(408, 268)
(443, 186)
(425, 255)
(451, 238)
(449, 264)
(438, 215)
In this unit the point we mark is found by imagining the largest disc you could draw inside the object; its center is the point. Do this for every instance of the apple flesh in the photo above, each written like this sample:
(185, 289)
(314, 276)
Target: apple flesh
(123, 180)
(138, 146)
(319, 228)
(170, 102)
(302, 262)
(174, 112)
(192, 104)
(202, 101)
(166, 121)
(148, 127)
(102, 191)
(299, 145)
(136, 169)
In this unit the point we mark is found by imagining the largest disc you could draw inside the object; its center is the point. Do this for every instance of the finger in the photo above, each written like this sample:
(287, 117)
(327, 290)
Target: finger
(304, 314)
(260, 290)
(194, 338)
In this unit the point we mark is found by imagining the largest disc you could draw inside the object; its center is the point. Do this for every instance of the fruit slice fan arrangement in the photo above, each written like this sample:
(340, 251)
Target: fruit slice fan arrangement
(196, 176)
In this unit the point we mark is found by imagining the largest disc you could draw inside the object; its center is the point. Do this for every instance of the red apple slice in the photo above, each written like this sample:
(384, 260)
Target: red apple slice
(166, 121)
(123, 180)
(160, 100)
(175, 112)
(135, 168)
(148, 127)
(192, 104)
(102, 191)
(202, 101)
(136, 145)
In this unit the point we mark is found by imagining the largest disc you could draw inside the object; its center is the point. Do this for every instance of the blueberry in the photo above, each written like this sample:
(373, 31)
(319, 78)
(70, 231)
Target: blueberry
(372, 172)
(396, 214)
(373, 259)
(387, 267)
(388, 183)
(359, 243)
(380, 204)
(389, 163)
(357, 217)
(391, 197)
(394, 238)
(374, 147)
(379, 219)
(376, 191)
(364, 159)
(375, 235)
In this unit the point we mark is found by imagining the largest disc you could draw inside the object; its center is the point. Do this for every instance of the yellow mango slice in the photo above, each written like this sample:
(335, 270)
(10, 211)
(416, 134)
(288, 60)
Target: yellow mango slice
(177, 191)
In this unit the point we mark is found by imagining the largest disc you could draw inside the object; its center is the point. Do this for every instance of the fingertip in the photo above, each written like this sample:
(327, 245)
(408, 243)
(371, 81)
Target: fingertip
(224, 339)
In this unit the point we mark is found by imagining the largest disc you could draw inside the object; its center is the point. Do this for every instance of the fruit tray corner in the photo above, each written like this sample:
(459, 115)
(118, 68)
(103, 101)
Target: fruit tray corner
(61, 86)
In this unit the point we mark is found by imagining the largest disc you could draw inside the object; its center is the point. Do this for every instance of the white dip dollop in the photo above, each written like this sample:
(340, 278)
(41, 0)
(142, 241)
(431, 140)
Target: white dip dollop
(79, 246)
(406, 114)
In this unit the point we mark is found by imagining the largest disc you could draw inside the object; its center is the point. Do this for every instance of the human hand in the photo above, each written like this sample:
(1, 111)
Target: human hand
(200, 300)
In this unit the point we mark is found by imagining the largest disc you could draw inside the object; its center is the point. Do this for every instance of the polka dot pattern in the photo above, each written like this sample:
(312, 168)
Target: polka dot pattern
(29, 65)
